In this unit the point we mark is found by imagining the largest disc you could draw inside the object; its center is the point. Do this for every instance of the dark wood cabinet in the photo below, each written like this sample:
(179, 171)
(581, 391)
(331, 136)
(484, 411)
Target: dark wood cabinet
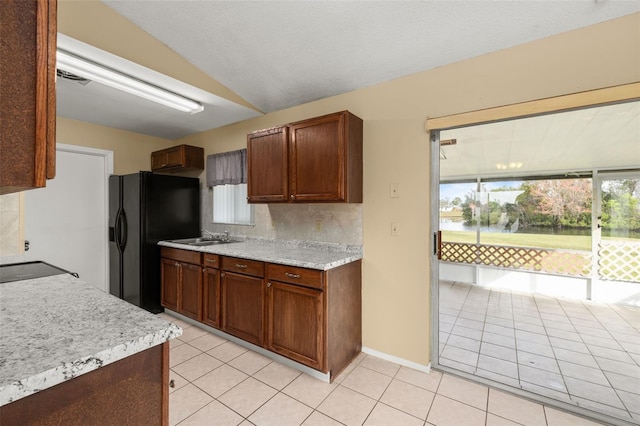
(295, 319)
(181, 158)
(243, 299)
(268, 166)
(181, 282)
(325, 159)
(311, 316)
(27, 93)
(191, 292)
(315, 317)
(315, 160)
(211, 294)
(131, 391)
(169, 277)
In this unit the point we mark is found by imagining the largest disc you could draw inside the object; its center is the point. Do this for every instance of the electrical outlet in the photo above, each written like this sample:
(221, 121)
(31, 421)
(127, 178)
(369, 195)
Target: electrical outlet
(394, 190)
(273, 224)
(395, 229)
(318, 225)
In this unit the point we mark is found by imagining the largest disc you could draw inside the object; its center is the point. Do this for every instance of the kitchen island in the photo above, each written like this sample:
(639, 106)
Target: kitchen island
(71, 354)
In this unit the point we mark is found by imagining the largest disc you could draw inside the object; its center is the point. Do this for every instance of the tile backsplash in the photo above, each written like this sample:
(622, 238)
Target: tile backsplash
(10, 225)
(324, 222)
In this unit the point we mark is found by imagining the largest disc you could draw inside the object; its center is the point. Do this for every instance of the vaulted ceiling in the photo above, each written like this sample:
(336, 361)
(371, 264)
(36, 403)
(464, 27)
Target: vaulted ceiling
(279, 54)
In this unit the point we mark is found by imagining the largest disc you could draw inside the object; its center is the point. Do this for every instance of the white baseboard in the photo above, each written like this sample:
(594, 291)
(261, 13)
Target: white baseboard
(290, 363)
(397, 360)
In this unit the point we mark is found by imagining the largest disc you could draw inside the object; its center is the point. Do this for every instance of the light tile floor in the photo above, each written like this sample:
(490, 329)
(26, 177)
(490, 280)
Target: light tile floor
(580, 352)
(220, 383)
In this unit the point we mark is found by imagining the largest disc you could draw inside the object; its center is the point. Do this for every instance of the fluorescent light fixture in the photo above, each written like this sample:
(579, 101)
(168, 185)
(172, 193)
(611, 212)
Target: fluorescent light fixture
(101, 74)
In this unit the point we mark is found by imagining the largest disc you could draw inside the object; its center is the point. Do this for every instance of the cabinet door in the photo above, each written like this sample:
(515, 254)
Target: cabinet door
(175, 157)
(295, 318)
(211, 297)
(158, 160)
(190, 302)
(27, 94)
(169, 279)
(317, 159)
(243, 306)
(267, 166)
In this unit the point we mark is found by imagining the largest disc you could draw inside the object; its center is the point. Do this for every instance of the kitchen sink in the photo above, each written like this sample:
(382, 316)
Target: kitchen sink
(200, 241)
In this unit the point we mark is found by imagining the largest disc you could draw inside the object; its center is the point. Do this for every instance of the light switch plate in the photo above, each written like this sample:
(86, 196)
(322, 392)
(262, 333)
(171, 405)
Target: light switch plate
(395, 229)
(394, 190)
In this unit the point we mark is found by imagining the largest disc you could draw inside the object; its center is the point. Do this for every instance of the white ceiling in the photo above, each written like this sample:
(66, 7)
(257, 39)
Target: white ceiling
(604, 138)
(278, 54)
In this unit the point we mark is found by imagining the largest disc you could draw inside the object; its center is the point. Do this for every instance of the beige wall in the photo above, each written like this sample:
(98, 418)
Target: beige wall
(132, 151)
(396, 269)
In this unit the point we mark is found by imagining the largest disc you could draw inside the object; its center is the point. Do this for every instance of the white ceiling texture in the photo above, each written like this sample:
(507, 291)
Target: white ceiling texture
(278, 54)
(598, 138)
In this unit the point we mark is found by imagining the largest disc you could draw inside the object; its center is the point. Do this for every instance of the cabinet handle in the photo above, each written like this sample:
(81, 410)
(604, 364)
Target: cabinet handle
(222, 274)
(290, 275)
(241, 266)
(211, 260)
(268, 284)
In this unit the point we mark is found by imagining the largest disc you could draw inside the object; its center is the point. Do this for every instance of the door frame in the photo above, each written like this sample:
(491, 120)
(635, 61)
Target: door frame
(433, 126)
(107, 157)
(610, 95)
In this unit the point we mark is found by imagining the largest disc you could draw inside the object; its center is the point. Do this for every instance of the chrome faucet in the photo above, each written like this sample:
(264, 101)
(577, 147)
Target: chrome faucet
(220, 237)
(208, 234)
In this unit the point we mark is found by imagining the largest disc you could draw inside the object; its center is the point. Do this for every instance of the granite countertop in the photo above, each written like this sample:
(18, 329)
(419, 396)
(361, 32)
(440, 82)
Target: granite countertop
(59, 327)
(322, 256)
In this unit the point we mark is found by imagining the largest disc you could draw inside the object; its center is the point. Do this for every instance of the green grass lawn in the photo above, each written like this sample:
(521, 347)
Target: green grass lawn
(567, 242)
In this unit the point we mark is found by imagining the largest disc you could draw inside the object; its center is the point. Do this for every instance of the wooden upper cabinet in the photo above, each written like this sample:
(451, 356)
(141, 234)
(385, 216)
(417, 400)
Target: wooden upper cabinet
(177, 159)
(27, 93)
(325, 159)
(267, 166)
(315, 160)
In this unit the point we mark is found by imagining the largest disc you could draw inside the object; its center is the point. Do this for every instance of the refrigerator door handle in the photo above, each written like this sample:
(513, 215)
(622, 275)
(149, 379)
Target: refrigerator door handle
(116, 229)
(124, 230)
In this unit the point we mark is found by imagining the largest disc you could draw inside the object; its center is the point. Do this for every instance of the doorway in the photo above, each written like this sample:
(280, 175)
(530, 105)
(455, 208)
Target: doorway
(570, 352)
(617, 238)
(65, 223)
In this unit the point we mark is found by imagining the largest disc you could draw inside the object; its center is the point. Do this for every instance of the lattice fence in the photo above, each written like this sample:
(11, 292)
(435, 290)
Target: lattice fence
(619, 261)
(529, 259)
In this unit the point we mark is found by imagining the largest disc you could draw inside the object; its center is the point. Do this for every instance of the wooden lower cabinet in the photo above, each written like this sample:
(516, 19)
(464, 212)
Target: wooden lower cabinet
(181, 282)
(191, 293)
(310, 316)
(211, 297)
(295, 319)
(131, 391)
(243, 306)
(169, 277)
(315, 317)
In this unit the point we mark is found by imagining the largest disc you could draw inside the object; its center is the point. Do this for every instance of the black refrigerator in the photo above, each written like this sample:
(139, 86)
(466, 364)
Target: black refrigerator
(145, 208)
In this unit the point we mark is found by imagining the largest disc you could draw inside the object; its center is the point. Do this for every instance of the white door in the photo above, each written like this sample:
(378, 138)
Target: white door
(66, 222)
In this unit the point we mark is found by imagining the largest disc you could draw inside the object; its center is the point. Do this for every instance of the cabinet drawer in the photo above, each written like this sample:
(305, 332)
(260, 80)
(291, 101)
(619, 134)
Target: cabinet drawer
(211, 260)
(295, 275)
(186, 256)
(243, 266)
